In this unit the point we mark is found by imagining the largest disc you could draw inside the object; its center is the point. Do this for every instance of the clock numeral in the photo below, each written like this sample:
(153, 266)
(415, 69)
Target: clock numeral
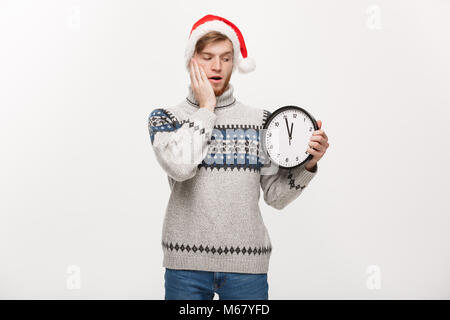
(306, 152)
(276, 124)
(304, 119)
(294, 115)
(269, 134)
(310, 128)
(284, 117)
(296, 158)
(271, 146)
(287, 159)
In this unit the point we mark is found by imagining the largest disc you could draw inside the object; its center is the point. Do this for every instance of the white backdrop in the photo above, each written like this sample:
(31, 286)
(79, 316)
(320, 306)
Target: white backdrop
(83, 197)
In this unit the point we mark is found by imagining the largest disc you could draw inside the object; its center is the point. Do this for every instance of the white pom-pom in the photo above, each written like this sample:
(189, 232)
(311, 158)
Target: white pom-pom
(247, 65)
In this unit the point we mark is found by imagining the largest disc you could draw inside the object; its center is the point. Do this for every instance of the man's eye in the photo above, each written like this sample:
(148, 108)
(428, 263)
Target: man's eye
(226, 59)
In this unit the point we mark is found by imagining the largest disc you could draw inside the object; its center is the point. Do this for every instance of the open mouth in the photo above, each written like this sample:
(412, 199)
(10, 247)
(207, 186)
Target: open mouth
(216, 80)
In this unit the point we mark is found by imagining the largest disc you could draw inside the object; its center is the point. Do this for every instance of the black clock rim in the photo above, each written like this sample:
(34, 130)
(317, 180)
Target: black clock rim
(266, 124)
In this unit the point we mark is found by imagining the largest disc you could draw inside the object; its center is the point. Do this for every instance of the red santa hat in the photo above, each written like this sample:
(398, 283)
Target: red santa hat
(215, 23)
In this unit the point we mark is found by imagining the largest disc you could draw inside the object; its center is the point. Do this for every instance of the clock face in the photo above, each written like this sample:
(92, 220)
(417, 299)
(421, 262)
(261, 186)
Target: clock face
(286, 137)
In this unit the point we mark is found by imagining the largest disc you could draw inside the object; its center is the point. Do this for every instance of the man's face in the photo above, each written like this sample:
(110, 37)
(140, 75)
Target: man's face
(217, 60)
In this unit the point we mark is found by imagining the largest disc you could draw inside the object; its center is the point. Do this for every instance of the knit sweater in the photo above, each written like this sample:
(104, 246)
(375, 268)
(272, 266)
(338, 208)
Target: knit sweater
(215, 169)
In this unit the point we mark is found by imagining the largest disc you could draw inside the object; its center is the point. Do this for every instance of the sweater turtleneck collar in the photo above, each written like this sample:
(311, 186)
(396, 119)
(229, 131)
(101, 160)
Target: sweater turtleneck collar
(226, 99)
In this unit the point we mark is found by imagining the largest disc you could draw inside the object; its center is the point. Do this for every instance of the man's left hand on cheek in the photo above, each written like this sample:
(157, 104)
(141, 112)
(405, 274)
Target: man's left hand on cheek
(318, 145)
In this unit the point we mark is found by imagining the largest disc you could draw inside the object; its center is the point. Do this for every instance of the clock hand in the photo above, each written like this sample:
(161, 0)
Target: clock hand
(290, 133)
(287, 126)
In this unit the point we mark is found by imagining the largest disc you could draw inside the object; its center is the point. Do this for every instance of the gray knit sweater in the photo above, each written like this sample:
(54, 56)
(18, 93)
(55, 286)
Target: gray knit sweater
(216, 168)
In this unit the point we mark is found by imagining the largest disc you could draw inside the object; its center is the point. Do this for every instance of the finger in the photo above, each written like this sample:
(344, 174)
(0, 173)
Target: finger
(317, 138)
(323, 144)
(321, 140)
(192, 74)
(313, 152)
(203, 74)
(320, 132)
(316, 145)
(197, 72)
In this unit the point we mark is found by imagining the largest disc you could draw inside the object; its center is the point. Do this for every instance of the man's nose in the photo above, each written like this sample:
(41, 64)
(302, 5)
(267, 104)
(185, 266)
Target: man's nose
(217, 64)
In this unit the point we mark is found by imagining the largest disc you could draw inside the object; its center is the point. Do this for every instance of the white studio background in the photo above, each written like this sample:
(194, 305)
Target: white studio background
(83, 197)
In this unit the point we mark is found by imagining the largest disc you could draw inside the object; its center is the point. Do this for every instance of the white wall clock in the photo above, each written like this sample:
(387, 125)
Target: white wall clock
(286, 136)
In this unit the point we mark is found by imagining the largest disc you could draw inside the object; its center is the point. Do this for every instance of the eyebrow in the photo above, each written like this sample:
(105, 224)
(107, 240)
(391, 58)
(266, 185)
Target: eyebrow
(223, 54)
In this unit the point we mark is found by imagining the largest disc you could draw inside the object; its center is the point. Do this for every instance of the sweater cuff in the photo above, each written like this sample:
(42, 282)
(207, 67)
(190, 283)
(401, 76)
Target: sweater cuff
(302, 175)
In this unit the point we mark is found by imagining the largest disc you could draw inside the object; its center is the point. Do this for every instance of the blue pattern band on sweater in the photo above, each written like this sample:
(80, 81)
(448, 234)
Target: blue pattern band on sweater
(230, 146)
(162, 120)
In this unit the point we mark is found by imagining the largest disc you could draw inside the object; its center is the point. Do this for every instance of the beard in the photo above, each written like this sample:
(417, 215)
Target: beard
(221, 90)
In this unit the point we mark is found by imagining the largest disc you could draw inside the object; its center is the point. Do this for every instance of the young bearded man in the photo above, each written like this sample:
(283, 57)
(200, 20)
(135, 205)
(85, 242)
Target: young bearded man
(214, 239)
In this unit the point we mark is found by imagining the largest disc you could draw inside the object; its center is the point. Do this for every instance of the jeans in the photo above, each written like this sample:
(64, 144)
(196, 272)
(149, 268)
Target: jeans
(201, 285)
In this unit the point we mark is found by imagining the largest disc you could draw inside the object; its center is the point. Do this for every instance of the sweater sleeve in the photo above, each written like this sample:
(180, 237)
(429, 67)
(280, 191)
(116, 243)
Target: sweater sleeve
(180, 145)
(285, 185)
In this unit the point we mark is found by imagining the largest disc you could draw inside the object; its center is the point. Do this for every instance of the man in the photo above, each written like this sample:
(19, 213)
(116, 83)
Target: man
(214, 239)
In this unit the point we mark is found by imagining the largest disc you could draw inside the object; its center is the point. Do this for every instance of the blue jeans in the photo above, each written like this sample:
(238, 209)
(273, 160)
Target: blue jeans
(201, 285)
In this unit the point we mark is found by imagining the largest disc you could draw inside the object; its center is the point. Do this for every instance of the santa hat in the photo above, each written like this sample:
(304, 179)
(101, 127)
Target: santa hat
(215, 23)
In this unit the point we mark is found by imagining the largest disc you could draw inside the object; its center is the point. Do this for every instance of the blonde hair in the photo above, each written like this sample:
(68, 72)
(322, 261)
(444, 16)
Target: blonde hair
(212, 36)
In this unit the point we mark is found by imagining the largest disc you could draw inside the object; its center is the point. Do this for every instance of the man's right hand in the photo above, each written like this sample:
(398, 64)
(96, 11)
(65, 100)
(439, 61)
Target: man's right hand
(203, 90)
